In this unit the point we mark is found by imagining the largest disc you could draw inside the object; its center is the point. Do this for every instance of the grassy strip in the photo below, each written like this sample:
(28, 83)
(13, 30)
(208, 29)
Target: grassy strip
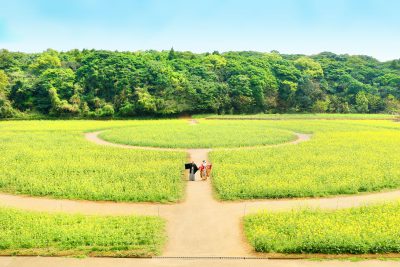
(34, 233)
(302, 116)
(374, 229)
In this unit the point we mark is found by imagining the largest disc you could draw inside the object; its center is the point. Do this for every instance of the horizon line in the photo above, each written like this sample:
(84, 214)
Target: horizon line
(197, 52)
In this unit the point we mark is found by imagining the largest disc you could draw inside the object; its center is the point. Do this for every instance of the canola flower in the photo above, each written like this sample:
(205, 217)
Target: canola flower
(342, 157)
(52, 158)
(37, 233)
(373, 229)
(205, 134)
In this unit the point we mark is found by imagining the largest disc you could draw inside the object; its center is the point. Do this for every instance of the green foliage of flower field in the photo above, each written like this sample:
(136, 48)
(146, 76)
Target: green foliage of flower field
(342, 157)
(374, 229)
(52, 158)
(205, 134)
(34, 233)
(303, 116)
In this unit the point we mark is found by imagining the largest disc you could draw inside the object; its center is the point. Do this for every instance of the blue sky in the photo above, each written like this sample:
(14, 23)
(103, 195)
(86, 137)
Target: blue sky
(370, 27)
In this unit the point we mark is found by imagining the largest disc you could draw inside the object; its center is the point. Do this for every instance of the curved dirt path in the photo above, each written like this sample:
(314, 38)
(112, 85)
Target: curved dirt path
(200, 226)
(94, 138)
(154, 209)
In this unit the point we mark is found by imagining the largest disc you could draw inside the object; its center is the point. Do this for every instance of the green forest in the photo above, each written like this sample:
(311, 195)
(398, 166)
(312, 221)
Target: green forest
(103, 84)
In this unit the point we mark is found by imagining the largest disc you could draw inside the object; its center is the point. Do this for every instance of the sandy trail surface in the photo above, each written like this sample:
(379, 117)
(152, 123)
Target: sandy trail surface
(110, 262)
(94, 138)
(201, 226)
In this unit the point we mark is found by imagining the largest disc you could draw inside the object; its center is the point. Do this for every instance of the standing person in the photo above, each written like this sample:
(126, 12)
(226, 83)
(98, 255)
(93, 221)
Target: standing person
(208, 171)
(203, 170)
(192, 167)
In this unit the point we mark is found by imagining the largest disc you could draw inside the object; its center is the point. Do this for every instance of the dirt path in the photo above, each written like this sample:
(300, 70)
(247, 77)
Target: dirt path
(112, 262)
(94, 138)
(193, 121)
(195, 192)
(200, 226)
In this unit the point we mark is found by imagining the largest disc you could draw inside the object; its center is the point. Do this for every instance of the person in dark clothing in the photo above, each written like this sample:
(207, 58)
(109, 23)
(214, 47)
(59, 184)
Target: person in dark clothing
(192, 167)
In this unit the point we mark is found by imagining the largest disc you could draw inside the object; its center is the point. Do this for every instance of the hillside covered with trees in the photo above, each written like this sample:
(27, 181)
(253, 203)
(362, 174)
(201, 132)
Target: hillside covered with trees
(93, 83)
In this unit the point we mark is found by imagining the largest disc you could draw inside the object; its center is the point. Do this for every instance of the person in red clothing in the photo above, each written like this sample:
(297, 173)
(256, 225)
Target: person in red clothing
(205, 170)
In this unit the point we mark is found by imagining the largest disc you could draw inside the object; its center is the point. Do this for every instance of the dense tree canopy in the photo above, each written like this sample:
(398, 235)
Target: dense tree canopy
(97, 83)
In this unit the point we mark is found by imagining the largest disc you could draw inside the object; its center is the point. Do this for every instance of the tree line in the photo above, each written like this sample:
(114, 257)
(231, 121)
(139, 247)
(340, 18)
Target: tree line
(97, 83)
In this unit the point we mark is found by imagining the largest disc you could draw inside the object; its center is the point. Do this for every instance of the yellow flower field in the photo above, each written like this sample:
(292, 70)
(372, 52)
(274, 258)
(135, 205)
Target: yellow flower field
(374, 229)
